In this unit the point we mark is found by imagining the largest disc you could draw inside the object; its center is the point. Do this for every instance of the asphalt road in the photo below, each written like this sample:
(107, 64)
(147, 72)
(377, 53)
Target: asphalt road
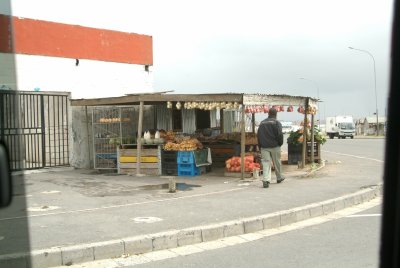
(94, 207)
(352, 241)
(368, 148)
(347, 242)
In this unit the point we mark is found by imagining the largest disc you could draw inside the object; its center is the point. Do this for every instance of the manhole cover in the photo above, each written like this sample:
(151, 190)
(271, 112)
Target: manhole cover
(146, 219)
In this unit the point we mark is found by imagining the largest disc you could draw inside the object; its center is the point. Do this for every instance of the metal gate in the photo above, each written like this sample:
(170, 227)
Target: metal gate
(34, 125)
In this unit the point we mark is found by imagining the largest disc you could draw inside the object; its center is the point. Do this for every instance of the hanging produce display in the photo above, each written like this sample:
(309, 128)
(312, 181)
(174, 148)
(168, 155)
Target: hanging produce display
(205, 105)
(264, 108)
(310, 110)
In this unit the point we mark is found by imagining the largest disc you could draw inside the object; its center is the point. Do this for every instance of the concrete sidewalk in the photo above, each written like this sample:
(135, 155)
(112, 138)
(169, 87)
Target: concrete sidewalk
(81, 215)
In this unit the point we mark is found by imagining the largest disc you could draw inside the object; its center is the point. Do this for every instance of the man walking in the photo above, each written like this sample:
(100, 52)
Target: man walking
(270, 140)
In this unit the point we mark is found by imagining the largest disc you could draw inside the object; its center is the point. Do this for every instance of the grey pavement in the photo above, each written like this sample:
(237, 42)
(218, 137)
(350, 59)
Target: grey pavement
(69, 208)
(351, 241)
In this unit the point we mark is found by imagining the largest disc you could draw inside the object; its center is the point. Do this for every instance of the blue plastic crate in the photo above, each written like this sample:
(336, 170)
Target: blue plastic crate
(107, 155)
(188, 170)
(185, 157)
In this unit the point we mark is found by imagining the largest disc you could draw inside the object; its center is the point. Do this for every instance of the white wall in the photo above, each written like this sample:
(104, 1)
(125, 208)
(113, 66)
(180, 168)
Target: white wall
(7, 71)
(90, 79)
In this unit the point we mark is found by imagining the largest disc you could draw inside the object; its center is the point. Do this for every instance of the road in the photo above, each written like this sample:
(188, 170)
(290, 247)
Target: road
(351, 241)
(368, 148)
(343, 242)
(346, 242)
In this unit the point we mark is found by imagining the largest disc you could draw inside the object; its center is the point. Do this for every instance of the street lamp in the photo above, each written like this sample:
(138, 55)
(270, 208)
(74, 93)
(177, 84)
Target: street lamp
(316, 85)
(376, 96)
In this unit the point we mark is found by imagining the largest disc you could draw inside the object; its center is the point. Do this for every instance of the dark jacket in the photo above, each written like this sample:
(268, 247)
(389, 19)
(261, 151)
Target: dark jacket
(269, 133)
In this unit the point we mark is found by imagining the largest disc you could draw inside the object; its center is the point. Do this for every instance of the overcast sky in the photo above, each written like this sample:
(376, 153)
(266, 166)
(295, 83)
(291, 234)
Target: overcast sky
(252, 46)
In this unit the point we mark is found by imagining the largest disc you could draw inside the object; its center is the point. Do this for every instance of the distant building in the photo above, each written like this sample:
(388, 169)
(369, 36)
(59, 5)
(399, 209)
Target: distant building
(367, 125)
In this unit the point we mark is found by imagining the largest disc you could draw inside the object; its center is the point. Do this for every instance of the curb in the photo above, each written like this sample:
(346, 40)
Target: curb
(59, 256)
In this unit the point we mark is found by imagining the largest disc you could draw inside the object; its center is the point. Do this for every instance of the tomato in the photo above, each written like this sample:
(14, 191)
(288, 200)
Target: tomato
(250, 158)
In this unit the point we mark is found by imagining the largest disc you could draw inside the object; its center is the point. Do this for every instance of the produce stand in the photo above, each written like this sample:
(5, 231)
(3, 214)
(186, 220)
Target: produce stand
(242, 105)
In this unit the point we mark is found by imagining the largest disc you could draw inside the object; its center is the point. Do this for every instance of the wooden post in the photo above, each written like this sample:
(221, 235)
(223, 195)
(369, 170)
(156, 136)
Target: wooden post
(88, 136)
(253, 122)
(139, 141)
(312, 138)
(304, 151)
(221, 120)
(242, 142)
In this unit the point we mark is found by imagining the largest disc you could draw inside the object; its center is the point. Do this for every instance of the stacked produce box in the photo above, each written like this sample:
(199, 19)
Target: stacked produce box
(169, 164)
(186, 164)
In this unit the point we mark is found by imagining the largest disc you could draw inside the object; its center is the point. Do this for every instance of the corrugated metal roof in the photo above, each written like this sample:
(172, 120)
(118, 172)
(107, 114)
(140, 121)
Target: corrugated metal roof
(157, 97)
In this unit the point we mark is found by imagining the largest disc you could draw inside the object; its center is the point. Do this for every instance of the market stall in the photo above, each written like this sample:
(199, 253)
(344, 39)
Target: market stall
(215, 123)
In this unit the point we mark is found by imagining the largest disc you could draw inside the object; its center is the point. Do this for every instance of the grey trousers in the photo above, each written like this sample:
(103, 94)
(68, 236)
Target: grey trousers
(268, 155)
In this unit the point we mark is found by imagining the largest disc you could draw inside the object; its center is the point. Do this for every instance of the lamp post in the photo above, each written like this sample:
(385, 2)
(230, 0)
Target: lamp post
(316, 85)
(376, 96)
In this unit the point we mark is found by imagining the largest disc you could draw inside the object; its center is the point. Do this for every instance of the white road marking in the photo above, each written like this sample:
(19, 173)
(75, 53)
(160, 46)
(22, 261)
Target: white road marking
(160, 255)
(228, 241)
(50, 192)
(120, 206)
(187, 250)
(233, 240)
(364, 215)
(355, 156)
(146, 219)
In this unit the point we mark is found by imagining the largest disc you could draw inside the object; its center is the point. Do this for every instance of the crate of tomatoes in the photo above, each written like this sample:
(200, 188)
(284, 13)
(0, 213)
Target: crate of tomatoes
(233, 164)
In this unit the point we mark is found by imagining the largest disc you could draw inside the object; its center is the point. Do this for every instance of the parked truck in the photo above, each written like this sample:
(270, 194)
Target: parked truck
(341, 126)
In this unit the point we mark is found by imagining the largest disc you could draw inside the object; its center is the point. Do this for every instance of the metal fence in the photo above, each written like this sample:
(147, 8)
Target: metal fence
(111, 127)
(34, 125)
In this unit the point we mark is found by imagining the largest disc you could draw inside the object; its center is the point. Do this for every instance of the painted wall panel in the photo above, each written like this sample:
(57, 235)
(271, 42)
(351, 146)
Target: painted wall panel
(37, 37)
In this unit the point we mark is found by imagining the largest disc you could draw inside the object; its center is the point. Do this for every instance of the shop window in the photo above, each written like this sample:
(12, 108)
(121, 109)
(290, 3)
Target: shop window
(203, 119)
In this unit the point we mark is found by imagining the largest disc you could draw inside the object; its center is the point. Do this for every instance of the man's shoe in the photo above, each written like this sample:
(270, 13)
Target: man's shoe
(280, 180)
(265, 184)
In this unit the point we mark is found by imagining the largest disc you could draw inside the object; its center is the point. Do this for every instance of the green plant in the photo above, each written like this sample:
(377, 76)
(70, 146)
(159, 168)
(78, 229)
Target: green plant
(296, 137)
(319, 136)
(114, 139)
